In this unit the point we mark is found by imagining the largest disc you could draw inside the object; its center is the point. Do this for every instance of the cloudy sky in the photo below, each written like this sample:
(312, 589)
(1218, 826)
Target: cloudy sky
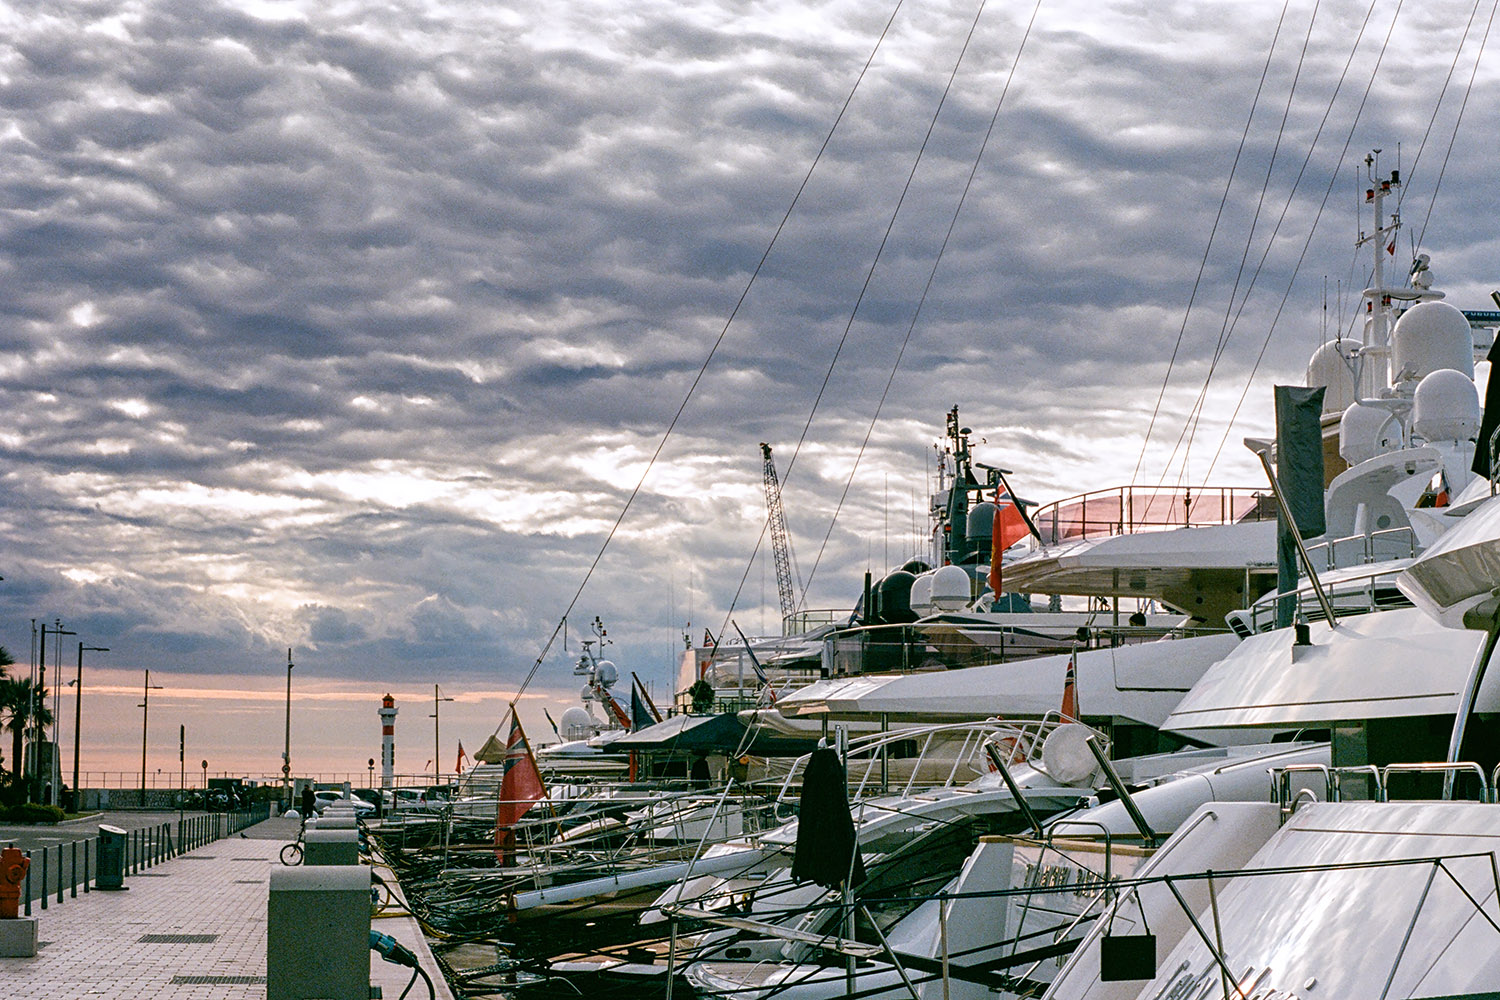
(351, 327)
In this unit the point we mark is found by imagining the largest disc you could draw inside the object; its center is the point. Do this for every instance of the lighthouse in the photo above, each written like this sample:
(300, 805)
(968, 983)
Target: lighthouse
(387, 741)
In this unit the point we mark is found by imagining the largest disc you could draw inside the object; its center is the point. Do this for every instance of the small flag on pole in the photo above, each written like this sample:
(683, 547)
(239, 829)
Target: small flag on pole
(520, 787)
(1070, 690)
(458, 765)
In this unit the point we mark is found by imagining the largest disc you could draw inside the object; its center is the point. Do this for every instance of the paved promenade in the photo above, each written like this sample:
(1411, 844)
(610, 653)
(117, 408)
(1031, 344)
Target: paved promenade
(119, 944)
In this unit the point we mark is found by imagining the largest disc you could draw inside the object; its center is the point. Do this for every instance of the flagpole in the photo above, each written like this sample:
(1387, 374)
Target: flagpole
(526, 742)
(646, 694)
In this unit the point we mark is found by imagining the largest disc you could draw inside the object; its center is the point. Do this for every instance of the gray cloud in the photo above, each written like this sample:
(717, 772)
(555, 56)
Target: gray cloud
(353, 331)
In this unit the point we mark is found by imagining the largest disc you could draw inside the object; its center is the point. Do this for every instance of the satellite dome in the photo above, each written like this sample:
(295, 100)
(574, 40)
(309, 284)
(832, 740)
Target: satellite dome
(607, 673)
(921, 595)
(1357, 433)
(952, 589)
(982, 520)
(1332, 366)
(1446, 407)
(895, 598)
(1429, 337)
(575, 720)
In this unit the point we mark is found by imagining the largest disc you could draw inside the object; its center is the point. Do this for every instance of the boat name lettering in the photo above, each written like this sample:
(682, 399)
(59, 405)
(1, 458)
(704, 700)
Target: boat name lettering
(1082, 881)
(1184, 984)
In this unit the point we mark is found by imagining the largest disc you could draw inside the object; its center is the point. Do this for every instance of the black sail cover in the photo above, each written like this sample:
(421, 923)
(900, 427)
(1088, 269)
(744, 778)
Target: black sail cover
(1491, 418)
(1299, 470)
(825, 828)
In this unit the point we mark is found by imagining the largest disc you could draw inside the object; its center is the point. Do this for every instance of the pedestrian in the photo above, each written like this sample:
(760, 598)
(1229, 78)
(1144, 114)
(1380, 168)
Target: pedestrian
(307, 803)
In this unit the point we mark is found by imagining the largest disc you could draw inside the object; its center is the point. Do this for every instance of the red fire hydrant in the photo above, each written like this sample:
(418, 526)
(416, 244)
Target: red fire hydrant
(13, 865)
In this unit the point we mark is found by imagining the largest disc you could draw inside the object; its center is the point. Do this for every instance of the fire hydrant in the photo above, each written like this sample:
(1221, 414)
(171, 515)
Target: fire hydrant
(13, 865)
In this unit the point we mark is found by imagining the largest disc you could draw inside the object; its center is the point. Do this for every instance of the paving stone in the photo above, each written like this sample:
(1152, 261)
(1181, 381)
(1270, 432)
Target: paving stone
(93, 943)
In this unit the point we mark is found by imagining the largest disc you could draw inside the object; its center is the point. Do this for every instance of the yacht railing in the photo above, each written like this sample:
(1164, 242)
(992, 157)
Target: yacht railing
(929, 757)
(952, 645)
(1374, 546)
(1288, 795)
(1376, 592)
(1127, 510)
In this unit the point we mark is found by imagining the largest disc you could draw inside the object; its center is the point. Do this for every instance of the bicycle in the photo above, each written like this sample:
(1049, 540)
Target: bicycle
(291, 854)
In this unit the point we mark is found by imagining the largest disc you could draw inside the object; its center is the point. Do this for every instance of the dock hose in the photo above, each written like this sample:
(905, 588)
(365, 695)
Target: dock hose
(393, 951)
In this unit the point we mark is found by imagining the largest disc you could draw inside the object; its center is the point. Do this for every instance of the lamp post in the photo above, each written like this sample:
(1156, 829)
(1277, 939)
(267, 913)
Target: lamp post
(78, 716)
(437, 747)
(286, 750)
(39, 691)
(145, 716)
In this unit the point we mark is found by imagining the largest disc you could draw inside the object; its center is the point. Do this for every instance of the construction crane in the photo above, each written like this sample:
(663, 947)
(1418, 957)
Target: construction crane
(781, 544)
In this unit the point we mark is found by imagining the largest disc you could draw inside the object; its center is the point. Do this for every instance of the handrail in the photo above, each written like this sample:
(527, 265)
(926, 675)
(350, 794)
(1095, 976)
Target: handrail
(1262, 612)
(1454, 767)
(1281, 785)
(864, 751)
(1370, 771)
(1125, 510)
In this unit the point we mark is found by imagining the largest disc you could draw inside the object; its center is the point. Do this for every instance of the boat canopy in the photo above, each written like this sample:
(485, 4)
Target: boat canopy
(1386, 665)
(721, 734)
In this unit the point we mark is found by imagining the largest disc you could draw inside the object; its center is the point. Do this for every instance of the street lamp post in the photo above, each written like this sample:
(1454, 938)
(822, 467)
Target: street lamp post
(38, 691)
(286, 750)
(437, 745)
(78, 716)
(145, 716)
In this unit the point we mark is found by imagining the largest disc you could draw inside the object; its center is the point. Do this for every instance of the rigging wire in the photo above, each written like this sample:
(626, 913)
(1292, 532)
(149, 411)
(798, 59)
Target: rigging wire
(692, 389)
(1203, 263)
(1454, 135)
(1317, 216)
(1438, 104)
(931, 277)
(858, 301)
(1286, 207)
(1238, 311)
(1231, 315)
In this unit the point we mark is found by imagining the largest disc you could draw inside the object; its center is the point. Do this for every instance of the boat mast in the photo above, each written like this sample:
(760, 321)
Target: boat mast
(1376, 355)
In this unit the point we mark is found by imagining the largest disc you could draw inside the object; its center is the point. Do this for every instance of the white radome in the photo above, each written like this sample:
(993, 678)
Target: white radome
(1429, 337)
(1446, 407)
(951, 589)
(1332, 366)
(1358, 430)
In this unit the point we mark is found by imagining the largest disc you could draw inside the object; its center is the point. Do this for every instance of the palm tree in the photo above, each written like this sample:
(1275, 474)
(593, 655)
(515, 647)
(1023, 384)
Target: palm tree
(28, 712)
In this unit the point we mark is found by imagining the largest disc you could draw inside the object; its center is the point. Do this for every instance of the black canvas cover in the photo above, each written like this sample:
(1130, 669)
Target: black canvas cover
(1299, 470)
(825, 828)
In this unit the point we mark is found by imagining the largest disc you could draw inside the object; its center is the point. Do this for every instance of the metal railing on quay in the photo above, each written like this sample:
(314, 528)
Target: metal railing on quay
(57, 871)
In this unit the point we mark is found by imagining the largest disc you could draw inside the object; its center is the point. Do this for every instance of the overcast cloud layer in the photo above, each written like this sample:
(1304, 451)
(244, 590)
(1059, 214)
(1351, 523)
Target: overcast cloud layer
(350, 327)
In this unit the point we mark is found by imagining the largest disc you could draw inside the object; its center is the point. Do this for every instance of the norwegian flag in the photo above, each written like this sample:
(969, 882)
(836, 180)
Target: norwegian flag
(520, 787)
(1070, 690)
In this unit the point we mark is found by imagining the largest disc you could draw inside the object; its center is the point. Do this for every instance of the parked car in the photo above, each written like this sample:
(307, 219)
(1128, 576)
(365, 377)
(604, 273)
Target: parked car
(362, 809)
(373, 797)
(321, 801)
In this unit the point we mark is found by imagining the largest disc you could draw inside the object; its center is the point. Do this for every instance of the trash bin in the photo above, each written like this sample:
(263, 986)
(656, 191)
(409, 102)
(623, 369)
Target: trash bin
(111, 859)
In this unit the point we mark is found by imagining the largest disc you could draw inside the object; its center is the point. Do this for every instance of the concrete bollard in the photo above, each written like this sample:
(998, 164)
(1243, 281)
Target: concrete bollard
(330, 847)
(318, 933)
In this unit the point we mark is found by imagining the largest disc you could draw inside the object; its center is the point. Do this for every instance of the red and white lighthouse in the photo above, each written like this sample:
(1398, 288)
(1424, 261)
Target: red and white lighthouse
(387, 741)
